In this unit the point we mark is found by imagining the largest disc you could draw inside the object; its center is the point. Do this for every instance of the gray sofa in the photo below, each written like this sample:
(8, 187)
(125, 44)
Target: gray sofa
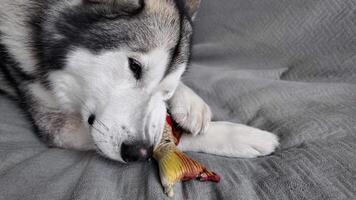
(288, 67)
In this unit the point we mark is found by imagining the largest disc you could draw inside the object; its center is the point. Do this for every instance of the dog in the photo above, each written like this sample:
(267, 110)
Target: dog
(100, 75)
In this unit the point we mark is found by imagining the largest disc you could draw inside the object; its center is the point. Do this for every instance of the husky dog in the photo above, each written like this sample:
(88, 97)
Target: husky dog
(99, 74)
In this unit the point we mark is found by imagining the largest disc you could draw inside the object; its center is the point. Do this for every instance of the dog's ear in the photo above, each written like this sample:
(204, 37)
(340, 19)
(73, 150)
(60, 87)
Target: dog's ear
(192, 7)
(115, 8)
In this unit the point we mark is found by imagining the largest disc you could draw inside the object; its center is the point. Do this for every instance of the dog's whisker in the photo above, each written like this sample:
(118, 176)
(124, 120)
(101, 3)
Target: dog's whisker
(102, 124)
(102, 141)
(97, 130)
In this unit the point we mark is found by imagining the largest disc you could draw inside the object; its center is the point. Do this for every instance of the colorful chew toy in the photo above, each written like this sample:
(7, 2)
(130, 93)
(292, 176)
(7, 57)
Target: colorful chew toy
(174, 165)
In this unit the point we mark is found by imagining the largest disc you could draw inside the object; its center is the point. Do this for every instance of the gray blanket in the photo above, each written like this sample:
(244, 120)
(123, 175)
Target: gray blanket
(288, 67)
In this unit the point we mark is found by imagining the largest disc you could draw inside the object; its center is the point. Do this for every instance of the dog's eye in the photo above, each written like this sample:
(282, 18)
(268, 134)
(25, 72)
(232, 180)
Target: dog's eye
(136, 68)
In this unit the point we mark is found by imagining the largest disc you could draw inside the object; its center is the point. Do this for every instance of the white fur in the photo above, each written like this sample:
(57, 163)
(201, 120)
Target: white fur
(75, 135)
(45, 98)
(233, 140)
(171, 83)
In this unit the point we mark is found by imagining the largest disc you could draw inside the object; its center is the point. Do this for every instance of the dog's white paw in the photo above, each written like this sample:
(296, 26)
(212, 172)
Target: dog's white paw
(233, 140)
(189, 110)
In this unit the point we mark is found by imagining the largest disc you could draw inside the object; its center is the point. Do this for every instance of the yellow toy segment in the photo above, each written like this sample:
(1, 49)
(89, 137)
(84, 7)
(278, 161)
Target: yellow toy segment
(174, 165)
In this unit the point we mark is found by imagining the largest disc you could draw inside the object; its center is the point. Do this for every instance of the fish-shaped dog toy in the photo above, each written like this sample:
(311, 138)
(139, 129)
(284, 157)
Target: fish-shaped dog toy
(174, 165)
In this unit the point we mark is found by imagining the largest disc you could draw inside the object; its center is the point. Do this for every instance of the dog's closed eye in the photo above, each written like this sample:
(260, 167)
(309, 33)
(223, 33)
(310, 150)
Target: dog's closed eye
(136, 68)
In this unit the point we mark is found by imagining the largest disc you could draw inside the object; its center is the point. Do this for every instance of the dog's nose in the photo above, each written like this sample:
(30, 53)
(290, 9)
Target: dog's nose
(136, 152)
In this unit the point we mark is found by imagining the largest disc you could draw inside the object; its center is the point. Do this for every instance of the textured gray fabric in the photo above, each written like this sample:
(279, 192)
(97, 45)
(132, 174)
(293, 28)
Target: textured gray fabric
(288, 67)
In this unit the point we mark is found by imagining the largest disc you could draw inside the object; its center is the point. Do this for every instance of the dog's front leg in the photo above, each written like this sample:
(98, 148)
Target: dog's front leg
(232, 140)
(189, 110)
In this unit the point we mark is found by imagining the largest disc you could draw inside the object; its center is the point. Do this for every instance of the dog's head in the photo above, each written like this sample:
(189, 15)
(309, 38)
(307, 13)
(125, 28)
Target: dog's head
(119, 61)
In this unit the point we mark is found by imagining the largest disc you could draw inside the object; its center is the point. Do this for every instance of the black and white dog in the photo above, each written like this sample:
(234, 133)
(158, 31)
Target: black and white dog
(99, 74)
